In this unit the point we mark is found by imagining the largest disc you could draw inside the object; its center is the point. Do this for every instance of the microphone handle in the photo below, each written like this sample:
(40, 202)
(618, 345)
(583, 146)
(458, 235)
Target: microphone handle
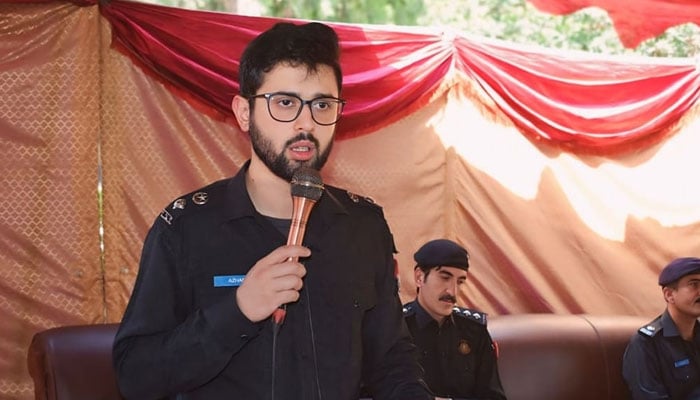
(300, 214)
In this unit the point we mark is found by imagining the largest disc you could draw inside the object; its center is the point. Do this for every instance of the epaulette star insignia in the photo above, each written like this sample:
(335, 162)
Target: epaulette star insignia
(200, 198)
(179, 204)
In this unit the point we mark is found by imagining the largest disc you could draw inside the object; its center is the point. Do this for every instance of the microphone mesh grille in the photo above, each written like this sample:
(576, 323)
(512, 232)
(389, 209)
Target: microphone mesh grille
(307, 183)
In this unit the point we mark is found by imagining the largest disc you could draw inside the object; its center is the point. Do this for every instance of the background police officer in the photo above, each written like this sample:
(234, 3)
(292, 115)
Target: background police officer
(456, 350)
(662, 360)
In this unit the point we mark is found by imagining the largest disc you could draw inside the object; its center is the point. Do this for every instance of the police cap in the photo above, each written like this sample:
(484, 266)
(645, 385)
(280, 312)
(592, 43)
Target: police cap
(442, 252)
(677, 269)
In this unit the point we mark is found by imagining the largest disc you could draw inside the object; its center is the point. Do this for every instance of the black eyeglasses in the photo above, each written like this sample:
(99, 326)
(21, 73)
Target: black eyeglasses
(286, 107)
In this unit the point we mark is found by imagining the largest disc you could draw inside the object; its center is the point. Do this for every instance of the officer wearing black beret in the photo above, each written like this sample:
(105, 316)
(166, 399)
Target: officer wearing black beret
(456, 350)
(662, 360)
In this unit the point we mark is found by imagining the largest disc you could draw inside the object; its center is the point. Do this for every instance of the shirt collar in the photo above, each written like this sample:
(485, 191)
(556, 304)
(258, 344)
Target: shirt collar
(670, 329)
(423, 319)
(239, 205)
(668, 326)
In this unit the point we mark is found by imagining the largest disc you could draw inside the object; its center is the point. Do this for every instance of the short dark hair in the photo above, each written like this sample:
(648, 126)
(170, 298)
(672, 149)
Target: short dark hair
(308, 45)
(427, 268)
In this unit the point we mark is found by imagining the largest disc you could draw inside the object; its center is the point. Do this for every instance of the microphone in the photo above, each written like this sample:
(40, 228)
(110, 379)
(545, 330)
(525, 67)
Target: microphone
(307, 188)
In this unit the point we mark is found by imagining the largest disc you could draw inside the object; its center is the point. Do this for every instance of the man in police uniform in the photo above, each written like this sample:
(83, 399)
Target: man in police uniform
(456, 350)
(662, 360)
(215, 265)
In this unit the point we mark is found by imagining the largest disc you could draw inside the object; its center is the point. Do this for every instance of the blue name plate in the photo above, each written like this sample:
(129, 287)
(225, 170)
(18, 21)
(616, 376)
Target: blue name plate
(682, 363)
(228, 280)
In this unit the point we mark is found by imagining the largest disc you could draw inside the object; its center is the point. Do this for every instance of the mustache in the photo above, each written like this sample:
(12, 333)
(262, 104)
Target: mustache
(303, 136)
(448, 297)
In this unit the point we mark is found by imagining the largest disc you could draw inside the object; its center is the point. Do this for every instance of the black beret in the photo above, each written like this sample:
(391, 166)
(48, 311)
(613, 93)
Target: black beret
(677, 269)
(442, 253)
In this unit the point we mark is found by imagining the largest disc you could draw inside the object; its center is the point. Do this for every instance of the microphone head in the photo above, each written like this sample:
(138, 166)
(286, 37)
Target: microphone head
(307, 183)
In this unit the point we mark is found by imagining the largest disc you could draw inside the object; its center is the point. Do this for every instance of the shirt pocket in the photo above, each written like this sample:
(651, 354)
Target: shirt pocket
(342, 309)
(682, 370)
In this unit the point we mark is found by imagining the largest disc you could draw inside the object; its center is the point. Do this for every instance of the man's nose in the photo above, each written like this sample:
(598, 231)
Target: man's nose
(305, 121)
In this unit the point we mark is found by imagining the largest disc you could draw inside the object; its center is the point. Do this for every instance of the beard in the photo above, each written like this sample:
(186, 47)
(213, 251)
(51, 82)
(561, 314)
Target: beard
(278, 163)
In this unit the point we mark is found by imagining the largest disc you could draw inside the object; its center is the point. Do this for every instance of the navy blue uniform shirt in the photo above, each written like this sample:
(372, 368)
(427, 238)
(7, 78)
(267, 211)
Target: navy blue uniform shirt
(659, 364)
(458, 357)
(183, 335)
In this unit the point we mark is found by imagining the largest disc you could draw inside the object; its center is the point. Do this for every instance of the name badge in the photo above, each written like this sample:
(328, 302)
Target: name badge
(228, 280)
(682, 363)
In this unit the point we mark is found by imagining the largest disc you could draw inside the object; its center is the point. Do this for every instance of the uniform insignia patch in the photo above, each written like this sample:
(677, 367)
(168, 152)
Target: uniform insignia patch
(355, 198)
(463, 347)
(473, 315)
(179, 203)
(166, 216)
(648, 330)
(200, 198)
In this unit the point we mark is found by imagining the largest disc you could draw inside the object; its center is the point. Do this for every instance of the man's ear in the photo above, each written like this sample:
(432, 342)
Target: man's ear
(668, 294)
(419, 276)
(241, 109)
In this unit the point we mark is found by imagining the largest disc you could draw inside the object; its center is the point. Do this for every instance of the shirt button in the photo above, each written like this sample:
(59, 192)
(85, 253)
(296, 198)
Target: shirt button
(356, 304)
(244, 337)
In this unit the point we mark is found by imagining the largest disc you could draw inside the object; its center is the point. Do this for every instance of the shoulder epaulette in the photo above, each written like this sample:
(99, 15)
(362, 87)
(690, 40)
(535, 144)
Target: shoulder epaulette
(651, 329)
(355, 198)
(473, 315)
(194, 201)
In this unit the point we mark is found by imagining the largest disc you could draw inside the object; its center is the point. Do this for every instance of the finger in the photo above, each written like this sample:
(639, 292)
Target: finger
(287, 282)
(286, 252)
(287, 268)
(287, 296)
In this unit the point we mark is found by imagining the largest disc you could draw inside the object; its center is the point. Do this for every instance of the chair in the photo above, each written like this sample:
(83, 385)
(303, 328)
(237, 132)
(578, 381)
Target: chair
(74, 363)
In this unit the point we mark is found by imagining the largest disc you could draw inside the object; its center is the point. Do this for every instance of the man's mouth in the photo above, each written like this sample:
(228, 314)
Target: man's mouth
(302, 151)
(301, 148)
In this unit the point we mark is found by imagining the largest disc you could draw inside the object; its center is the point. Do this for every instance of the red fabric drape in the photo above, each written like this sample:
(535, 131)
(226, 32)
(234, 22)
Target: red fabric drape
(579, 101)
(388, 74)
(634, 20)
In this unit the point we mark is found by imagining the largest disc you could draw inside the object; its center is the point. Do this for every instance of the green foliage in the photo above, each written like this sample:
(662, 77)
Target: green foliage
(511, 20)
(398, 12)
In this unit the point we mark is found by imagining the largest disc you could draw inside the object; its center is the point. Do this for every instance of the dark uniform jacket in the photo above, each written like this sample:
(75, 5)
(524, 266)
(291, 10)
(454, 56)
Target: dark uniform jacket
(183, 335)
(458, 357)
(659, 364)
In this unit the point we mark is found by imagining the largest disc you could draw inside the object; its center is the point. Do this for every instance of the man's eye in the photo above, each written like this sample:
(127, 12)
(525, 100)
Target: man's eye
(284, 101)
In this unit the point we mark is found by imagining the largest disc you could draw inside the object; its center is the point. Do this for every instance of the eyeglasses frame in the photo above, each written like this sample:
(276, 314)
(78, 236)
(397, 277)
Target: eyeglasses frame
(267, 97)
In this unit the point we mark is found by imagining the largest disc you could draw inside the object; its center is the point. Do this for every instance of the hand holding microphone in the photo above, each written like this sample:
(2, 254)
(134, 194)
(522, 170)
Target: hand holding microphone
(307, 188)
(277, 278)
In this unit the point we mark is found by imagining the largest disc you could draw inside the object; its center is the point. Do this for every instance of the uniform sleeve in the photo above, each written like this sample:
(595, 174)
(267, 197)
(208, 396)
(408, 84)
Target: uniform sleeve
(391, 370)
(640, 368)
(488, 380)
(163, 347)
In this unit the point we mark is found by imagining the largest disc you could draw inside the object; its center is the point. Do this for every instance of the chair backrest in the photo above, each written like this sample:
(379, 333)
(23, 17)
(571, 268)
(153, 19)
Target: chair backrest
(563, 357)
(74, 363)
